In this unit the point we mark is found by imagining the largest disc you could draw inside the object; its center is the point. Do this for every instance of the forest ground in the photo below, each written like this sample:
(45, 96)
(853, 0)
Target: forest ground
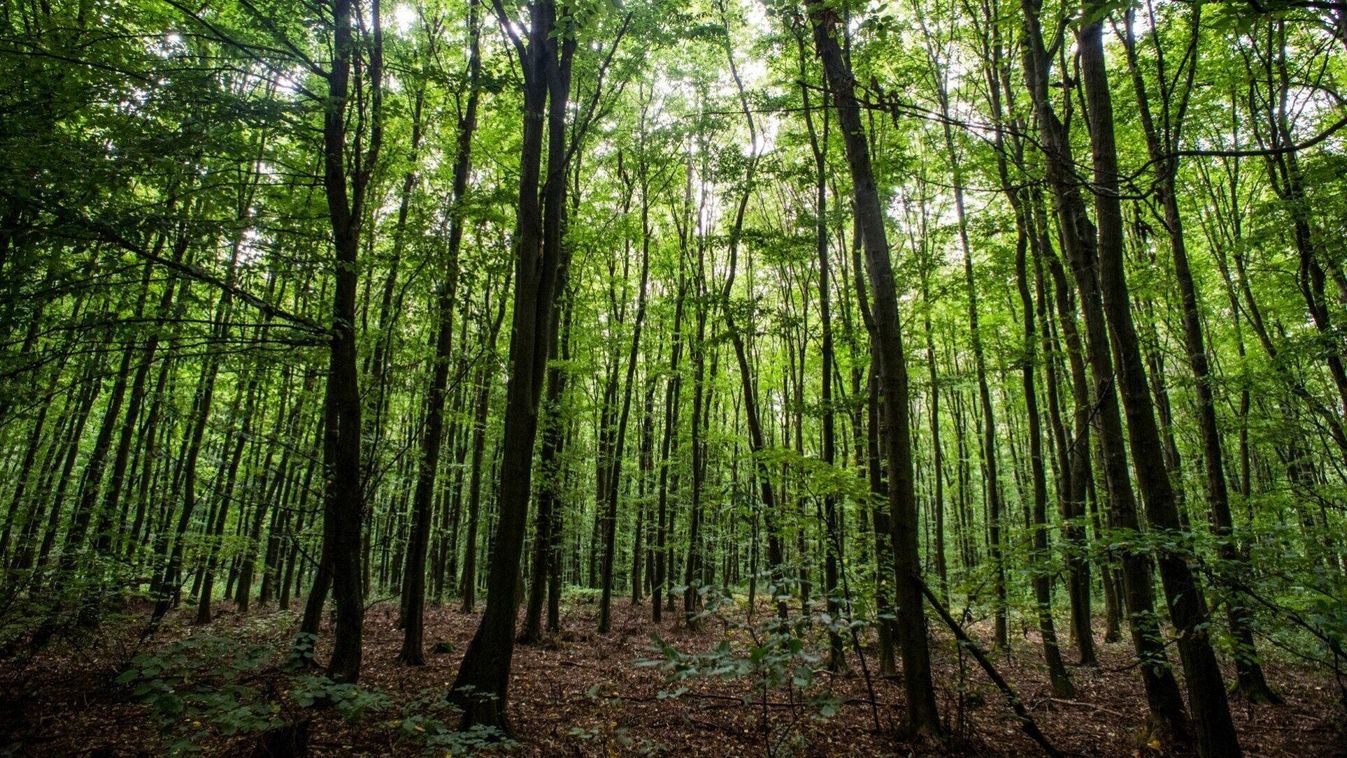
(582, 693)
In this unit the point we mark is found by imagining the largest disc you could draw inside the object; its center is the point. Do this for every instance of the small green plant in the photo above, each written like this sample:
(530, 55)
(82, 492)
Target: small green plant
(210, 684)
(351, 701)
(204, 684)
(773, 657)
(301, 651)
(428, 719)
(581, 595)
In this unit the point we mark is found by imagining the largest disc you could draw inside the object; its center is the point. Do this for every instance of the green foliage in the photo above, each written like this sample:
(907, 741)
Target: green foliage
(164, 229)
(205, 684)
(214, 685)
(576, 595)
(769, 655)
(351, 701)
(217, 685)
(300, 655)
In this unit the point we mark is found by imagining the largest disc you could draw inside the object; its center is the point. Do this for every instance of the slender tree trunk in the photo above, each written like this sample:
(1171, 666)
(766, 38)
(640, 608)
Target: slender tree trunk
(922, 714)
(616, 454)
(167, 586)
(432, 434)
(989, 447)
(818, 141)
(481, 687)
(546, 531)
(1080, 477)
(672, 402)
(1078, 236)
(1061, 683)
(1206, 690)
(467, 586)
(225, 495)
(756, 439)
(343, 501)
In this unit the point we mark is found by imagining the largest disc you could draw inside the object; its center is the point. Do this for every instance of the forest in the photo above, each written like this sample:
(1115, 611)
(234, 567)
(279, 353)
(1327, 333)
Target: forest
(646, 377)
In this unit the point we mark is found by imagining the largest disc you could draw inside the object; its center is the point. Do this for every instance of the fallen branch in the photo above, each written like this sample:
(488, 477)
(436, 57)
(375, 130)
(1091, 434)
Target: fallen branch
(1026, 721)
(1080, 704)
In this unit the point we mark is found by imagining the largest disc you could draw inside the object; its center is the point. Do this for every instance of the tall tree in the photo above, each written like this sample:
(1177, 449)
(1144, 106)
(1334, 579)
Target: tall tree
(481, 687)
(1187, 608)
(414, 581)
(922, 714)
(1163, 136)
(1077, 234)
(348, 167)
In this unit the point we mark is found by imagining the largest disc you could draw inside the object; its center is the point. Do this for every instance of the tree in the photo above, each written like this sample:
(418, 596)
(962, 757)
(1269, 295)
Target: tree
(346, 182)
(481, 686)
(921, 709)
(1081, 247)
(414, 582)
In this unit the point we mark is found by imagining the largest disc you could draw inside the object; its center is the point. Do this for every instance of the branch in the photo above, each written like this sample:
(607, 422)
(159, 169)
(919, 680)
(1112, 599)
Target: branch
(105, 234)
(1026, 721)
(507, 26)
(1255, 152)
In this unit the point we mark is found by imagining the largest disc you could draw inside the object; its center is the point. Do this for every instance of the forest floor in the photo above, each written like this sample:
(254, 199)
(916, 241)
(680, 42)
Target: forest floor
(582, 693)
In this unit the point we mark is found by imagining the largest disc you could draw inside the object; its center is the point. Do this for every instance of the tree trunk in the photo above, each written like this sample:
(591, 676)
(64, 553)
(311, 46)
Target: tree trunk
(1078, 237)
(1187, 609)
(922, 714)
(432, 434)
(481, 687)
(343, 501)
